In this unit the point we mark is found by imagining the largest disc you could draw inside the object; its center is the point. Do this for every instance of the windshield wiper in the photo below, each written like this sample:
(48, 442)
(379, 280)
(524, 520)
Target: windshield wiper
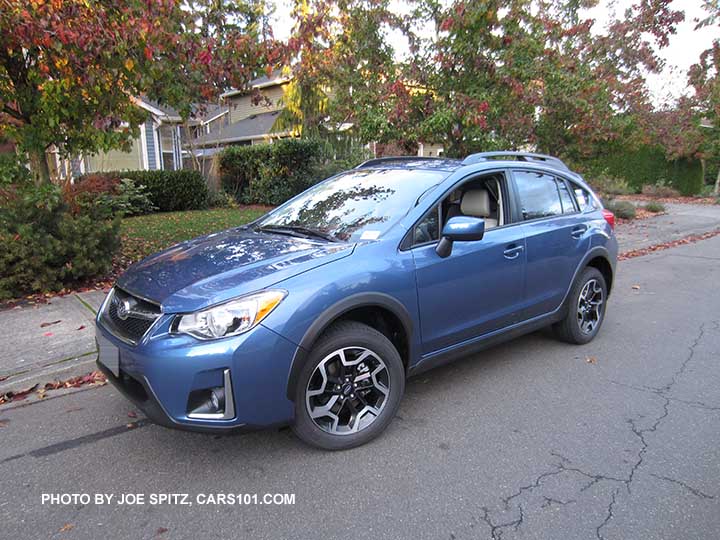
(301, 232)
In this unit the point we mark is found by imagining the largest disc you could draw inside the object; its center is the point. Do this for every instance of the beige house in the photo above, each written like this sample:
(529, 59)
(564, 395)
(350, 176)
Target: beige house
(251, 116)
(159, 146)
(251, 120)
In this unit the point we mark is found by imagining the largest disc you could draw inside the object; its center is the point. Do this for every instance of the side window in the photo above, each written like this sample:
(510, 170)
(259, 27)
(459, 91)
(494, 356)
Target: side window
(568, 205)
(539, 196)
(428, 228)
(584, 199)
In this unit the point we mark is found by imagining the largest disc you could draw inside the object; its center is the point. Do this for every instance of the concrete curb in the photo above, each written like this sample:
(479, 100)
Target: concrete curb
(60, 371)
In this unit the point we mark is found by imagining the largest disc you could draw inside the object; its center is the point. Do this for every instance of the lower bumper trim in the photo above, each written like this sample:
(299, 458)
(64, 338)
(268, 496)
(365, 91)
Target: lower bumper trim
(155, 412)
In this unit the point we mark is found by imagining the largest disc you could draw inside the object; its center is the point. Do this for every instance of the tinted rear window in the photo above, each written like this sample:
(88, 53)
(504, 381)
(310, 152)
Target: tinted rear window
(539, 195)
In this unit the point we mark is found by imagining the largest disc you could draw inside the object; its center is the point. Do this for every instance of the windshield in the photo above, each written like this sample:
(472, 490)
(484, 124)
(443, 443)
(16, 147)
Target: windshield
(357, 205)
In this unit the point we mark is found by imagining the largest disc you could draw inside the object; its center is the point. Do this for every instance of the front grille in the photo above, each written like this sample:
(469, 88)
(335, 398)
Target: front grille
(129, 317)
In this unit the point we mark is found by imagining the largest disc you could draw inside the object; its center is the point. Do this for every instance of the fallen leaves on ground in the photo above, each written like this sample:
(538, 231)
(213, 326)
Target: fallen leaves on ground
(95, 378)
(659, 247)
(132, 414)
(636, 287)
(161, 530)
(4, 423)
(81, 327)
(46, 324)
(681, 199)
(67, 527)
(17, 396)
(591, 360)
(48, 334)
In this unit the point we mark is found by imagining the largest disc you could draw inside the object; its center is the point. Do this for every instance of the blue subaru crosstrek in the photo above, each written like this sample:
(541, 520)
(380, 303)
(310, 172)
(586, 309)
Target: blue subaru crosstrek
(315, 314)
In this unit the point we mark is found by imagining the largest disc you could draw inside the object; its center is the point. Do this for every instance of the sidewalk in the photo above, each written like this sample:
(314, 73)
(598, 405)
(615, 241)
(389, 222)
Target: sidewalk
(34, 351)
(47, 342)
(681, 220)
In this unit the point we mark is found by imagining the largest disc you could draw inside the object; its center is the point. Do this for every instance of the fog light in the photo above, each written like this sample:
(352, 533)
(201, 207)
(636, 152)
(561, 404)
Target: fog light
(210, 401)
(215, 403)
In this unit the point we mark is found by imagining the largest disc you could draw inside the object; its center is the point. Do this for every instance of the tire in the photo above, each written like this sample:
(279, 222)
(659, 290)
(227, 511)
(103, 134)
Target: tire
(574, 327)
(370, 362)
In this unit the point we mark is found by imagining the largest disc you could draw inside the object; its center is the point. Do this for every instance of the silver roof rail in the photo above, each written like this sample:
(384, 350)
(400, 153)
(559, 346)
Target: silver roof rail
(396, 159)
(520, 156)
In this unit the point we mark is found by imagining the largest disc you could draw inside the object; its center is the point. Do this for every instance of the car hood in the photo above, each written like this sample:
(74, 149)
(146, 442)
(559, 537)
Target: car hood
(221, 266)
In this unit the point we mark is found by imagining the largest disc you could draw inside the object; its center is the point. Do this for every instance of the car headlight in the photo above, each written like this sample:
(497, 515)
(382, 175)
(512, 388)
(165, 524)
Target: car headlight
(231, 318)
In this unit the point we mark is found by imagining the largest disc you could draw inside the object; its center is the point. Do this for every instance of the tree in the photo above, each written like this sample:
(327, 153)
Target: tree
(341, 62)
(518, 73)
(704, 78)
(69, 68)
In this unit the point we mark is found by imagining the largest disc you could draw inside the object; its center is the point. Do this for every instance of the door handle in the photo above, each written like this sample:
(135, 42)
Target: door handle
(512, 252)
(578, 231)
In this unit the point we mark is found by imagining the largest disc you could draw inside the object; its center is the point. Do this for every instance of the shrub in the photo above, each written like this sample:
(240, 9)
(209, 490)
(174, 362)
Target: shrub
(221, 199)
(654, 207)
(11, 170)
(173, 190)
(269, 173)
(168, 191)
(46, 247)
(609, 185)
(707, 191)
(621, 209)
(661, 189)
(648, 165)
(118, 196)
(132, 199)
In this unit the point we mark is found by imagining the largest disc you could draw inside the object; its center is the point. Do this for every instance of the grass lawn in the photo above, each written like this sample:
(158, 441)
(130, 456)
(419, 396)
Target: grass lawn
(143, 235)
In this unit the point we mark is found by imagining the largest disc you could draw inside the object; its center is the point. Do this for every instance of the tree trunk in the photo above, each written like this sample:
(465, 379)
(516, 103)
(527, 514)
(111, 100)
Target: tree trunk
(717, 184)
(39, 167)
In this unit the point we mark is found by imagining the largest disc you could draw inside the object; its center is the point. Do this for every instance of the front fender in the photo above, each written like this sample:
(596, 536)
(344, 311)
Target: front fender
(333, 313)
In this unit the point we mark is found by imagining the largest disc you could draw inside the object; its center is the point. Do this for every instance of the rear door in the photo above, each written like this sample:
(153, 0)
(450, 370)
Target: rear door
(556, 236)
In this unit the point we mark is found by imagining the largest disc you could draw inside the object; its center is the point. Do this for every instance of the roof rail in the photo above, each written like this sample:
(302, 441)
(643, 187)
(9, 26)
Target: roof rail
(520, 156)
(395, 159)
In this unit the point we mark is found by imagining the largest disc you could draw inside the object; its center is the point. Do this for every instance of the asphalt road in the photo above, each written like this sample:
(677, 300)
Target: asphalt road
(618, 439)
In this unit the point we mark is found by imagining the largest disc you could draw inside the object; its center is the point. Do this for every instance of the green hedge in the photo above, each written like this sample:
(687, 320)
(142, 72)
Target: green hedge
(45, 246)
(270, 173)
(648, 165)
(169, 191)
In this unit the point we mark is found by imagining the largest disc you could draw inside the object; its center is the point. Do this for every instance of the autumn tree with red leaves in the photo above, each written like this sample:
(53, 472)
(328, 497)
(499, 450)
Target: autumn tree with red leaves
(519, 73)
(704, 78)
(69, 68)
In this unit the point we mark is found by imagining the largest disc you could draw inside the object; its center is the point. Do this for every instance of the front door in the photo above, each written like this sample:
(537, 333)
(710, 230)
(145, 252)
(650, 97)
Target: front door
(479, 288)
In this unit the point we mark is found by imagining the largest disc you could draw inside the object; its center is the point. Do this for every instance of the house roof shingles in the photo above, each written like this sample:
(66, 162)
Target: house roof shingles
(252, 127)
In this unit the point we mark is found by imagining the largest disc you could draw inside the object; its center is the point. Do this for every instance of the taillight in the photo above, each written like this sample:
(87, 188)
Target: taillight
(609, 217)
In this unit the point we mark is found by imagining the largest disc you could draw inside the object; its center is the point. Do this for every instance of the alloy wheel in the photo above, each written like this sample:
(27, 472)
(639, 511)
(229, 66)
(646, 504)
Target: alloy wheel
(590, 306)
(347, 391)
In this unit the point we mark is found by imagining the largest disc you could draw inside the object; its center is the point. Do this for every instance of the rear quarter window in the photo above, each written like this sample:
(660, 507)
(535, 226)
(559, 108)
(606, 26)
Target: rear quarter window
(584, 199)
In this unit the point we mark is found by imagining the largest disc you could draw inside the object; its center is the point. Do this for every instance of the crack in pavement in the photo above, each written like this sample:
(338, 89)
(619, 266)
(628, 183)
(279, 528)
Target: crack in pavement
(659, 392)
(496, 531)
(691, 489)
(640, 433)
(565, 465)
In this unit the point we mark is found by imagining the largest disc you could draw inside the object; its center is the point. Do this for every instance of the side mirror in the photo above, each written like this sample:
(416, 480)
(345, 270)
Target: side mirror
(460, 229)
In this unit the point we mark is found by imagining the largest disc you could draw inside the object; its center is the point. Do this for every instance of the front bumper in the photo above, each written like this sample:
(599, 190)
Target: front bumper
(159, 373)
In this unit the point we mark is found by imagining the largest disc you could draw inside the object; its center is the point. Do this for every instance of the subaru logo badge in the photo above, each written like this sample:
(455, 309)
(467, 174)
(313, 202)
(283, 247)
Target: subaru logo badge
(124, 309)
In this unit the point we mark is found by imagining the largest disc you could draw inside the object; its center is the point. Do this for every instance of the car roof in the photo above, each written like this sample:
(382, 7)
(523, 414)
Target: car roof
(478, 162)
